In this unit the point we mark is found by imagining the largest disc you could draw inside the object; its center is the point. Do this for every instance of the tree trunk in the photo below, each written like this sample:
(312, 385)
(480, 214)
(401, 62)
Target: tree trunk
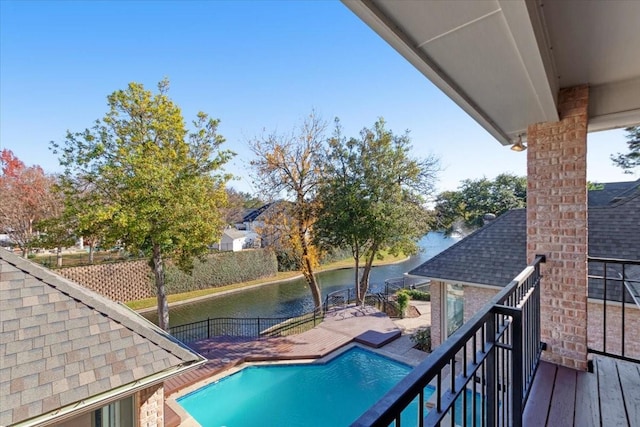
(158, 271)
(307, 268)
(59, 257)
(356, 258)
(363, 287)
(91, 253)
(313, 283)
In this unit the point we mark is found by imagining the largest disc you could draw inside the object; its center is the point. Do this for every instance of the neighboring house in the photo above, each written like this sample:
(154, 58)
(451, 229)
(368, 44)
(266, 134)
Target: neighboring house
(254, 219)
(255, 223)
(468, 274)
(69, 355)
(233, 240)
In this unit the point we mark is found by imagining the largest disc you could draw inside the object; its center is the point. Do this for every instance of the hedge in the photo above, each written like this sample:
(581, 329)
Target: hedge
(221, 269)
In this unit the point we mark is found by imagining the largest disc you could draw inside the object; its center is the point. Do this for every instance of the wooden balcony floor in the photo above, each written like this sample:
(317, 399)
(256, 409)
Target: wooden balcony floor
(610, 396)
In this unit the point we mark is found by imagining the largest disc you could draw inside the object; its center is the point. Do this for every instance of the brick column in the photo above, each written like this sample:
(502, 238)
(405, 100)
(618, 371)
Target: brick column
(557, 225)
(151, 406)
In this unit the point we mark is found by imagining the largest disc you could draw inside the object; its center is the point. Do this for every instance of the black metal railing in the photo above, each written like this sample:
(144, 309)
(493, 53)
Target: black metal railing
(252, 327)
(343, 297)
(490, 363)
(614, 290)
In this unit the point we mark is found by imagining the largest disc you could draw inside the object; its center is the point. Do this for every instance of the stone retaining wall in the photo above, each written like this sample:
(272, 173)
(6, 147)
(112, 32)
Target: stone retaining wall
(123, 281)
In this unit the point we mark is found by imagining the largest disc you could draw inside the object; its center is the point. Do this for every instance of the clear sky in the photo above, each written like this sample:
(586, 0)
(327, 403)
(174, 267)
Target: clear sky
(253, 64)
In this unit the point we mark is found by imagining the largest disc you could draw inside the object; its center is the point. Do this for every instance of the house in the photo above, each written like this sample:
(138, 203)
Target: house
(233, 240)
(69, 355)
(544, 74)
(468, 274)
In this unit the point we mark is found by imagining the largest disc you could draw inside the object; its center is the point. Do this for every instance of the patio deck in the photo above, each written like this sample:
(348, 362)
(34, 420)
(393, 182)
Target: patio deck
(610, 396)
(339, 328)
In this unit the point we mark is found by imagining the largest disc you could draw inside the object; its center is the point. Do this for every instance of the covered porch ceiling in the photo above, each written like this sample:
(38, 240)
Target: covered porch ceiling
(503, 61)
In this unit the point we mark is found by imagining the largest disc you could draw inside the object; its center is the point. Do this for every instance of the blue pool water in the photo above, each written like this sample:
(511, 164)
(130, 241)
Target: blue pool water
(323, 395)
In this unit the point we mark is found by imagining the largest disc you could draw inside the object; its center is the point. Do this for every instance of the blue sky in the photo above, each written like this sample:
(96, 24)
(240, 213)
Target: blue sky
(253, 64)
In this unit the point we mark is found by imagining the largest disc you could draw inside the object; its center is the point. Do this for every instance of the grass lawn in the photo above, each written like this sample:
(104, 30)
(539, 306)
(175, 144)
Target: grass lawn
(347, 263)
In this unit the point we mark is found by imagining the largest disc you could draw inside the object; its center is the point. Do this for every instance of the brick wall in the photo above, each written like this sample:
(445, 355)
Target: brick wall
(557, 225)
(123, 281)
(150, 406)
(475, 298)
(614, 329)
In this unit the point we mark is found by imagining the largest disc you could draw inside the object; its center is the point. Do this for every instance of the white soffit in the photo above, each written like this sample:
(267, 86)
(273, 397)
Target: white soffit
(503, 61)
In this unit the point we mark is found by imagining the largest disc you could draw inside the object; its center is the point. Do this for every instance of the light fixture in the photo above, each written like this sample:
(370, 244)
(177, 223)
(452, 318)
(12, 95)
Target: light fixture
(519, 145)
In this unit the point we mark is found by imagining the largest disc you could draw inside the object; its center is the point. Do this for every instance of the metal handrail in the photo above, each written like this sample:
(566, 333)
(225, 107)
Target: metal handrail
(616, 285)
(247, 327)
(499, 348)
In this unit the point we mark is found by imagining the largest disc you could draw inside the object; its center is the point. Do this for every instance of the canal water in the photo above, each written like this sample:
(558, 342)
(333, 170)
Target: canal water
(292, 298)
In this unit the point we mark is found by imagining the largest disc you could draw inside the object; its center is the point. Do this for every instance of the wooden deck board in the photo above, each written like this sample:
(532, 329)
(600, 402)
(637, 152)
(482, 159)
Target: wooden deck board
(564, 397)
(537, 409)
(629, 381)
(587, 400)
(612, 408)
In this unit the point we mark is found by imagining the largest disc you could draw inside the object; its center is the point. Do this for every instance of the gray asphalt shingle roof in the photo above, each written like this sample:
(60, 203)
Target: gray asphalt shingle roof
(492, 255)
(61, 343)
(496, 253)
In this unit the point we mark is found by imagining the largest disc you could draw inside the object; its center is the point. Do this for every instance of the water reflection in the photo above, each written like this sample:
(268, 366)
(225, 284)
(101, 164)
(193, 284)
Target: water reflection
(292, 298)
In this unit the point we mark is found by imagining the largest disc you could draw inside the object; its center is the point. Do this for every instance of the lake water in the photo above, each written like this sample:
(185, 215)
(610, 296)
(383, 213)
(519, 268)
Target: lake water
(292, 298)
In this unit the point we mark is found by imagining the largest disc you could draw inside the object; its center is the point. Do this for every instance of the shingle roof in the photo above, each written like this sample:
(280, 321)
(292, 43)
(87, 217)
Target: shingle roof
(496, 253)
(255, 213)
(492, 255)
(607, 192)
(61, 343)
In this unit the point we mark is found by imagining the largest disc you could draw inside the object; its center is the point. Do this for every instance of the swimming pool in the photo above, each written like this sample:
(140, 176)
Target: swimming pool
(331, 394)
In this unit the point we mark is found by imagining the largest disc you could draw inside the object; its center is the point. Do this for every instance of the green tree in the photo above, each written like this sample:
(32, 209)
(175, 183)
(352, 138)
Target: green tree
(372, 197)
(631, 160)
(151, 184)
(475, 198)
(288, 166)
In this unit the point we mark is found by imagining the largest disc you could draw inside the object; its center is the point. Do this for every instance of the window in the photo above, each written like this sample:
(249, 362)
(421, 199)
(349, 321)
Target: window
(453, 308)
(116, 414)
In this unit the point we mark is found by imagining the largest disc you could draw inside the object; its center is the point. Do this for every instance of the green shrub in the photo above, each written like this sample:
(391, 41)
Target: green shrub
(221, 269)
(418, 295)
(402, 298)
(422, 339)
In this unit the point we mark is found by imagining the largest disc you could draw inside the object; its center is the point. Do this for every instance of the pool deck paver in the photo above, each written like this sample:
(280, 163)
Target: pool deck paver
(339, 328)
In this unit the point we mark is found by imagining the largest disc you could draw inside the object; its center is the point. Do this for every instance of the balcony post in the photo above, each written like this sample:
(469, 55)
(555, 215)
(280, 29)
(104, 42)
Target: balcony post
(557, 225)
(517, 369)
(491, 378)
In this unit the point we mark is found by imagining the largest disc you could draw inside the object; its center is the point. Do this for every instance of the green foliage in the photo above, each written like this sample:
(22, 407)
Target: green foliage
(287, 261)
(334, 254)
(631, 160)
(418, 295)
(422, 339)
(221, 269)
(372, 196)
(475, 198)
(402, 298)
(140, 177)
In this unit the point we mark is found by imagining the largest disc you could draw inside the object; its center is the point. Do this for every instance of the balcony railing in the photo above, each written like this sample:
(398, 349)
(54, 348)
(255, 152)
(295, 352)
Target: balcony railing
(482, 374)
(614, 286)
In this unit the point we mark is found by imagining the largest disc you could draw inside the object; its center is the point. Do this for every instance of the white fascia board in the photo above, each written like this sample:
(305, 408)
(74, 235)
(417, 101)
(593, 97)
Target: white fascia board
(392, 34)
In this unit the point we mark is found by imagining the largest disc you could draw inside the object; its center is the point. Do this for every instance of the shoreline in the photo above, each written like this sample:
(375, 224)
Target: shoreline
(257, 285)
